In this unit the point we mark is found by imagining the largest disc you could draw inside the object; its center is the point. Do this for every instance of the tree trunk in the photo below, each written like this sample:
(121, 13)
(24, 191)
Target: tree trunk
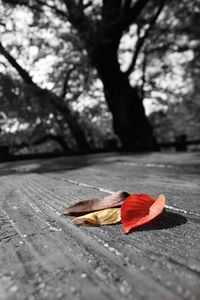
(129, 120)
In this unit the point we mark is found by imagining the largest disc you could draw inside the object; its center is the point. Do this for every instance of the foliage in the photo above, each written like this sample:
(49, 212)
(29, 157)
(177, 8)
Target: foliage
(159, 50)
(167, 70)
(56, 62)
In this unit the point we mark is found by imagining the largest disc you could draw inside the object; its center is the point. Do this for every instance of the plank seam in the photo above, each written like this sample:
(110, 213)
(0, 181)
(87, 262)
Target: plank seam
(170, 207)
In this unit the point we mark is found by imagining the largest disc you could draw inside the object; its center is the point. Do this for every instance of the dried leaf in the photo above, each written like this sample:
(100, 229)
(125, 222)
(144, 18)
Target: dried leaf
(96, 204)
(137, 210)
(102, 217)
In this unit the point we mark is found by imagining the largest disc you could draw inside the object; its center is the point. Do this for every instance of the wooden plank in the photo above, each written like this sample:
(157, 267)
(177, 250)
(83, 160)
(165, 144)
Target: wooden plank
(51, 258)
(183, 163)
(44, 255)
(182, 194)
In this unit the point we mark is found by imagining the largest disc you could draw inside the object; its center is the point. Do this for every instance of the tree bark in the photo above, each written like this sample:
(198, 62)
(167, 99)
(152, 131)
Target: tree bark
(102, 42)
(129, 120)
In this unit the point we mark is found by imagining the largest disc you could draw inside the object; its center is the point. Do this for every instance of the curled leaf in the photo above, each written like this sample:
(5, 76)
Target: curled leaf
(96, 204)
(102, 217)
(137, 210)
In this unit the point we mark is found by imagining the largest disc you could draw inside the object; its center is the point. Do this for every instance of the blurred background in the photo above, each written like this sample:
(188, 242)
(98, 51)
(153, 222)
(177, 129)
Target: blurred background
(82, 76)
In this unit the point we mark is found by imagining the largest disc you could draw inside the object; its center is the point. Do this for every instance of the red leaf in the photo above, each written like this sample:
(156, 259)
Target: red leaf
(137, 210)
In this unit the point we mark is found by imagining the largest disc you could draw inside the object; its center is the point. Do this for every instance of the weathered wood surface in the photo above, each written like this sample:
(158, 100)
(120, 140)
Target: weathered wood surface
(44, 256)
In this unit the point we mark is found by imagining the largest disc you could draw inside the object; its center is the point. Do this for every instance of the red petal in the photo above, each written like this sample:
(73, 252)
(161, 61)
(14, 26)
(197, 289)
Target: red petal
(137, 210)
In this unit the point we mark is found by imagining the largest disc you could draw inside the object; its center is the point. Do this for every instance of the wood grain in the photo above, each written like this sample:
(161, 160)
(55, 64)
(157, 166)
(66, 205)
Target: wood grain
(45, 256)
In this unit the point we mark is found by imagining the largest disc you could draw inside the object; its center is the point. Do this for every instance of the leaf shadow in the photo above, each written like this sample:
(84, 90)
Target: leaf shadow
(166, 220)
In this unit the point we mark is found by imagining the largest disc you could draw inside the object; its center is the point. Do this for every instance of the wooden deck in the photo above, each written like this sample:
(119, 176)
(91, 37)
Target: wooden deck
(45, 256)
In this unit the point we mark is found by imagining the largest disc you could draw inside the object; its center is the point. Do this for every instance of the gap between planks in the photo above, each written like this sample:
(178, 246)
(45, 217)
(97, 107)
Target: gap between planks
(127, 273)
(170, 207)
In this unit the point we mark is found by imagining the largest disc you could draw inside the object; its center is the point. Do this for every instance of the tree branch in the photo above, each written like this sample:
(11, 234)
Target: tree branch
(76, 15)
(127, 5)
(65, 83)
(23, 73)
(49, 97)
(117, 17)
(144, 65)
(141, 40)
(52, 7)
(173, 47)
(112, 13)
(85, 26)
(87, 4)
(133, 12)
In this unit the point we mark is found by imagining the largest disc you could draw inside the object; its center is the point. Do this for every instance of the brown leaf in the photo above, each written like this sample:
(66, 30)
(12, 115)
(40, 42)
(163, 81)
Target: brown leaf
(101, 217)
(96, 203)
